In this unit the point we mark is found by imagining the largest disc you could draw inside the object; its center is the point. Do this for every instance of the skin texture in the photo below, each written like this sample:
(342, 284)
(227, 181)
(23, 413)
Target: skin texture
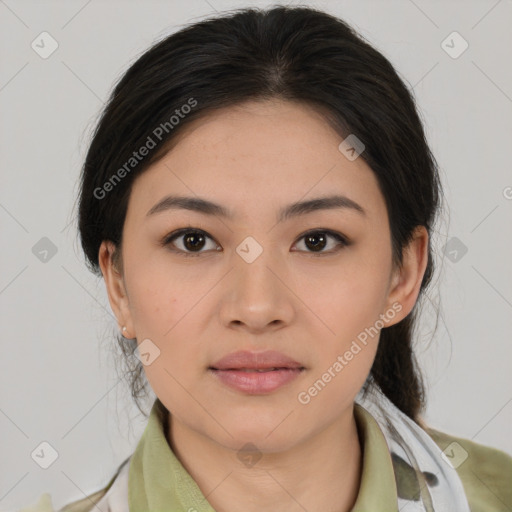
(254, 159)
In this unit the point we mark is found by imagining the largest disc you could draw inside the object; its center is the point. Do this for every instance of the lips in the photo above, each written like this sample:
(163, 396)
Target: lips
(256, 373)
(267, 361)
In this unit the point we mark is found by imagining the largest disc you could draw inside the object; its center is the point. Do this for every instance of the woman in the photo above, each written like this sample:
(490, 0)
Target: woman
(259, 197)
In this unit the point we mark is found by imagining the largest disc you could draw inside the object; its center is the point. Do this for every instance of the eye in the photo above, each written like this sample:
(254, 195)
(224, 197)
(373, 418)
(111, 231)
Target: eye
(317, 240)
(190, 239)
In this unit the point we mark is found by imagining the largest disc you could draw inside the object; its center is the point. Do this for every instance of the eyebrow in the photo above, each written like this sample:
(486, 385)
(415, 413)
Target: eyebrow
(293, 210)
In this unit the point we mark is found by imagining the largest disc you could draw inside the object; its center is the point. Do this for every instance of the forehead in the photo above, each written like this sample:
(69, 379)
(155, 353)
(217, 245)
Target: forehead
(259, 156)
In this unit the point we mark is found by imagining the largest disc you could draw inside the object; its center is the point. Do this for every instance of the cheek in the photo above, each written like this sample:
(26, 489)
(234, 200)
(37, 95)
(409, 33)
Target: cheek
(164, 317)
(159, 296)
(349, 299)
(349, 307)
(348, 347)
(348, 351)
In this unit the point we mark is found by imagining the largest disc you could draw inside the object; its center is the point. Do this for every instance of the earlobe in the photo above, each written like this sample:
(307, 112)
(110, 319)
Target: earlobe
(115, 286)
(407, 280)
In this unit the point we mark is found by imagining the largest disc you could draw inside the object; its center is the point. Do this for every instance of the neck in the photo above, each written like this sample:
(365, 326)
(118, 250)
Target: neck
(321, 473)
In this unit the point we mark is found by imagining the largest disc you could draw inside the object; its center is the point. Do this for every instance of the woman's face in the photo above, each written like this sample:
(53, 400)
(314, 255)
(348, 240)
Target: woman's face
(253, 281)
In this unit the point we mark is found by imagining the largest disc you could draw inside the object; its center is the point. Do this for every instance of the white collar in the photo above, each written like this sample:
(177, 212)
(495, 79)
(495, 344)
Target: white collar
(116, 498)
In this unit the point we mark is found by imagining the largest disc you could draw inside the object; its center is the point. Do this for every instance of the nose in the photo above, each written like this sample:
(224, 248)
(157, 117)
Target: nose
(257, 296)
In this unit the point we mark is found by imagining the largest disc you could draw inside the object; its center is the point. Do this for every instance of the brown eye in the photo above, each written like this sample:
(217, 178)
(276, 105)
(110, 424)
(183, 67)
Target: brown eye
(189, 241)
(193, 241)
(316, 241)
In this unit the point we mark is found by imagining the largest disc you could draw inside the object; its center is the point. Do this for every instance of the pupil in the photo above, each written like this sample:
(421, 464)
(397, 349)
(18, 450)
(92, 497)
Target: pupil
(309, 238)
(192, 245)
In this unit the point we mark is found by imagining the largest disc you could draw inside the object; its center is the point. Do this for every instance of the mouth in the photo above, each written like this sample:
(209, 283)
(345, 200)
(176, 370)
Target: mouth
(256, 373)
(256, 381)
(269, 360)
(249, 370)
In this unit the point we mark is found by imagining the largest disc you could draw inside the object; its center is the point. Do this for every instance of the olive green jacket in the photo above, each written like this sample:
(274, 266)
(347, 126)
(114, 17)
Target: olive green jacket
(157, 480)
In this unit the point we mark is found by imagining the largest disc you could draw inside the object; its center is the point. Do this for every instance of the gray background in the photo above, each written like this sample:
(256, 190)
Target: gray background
(58, 382)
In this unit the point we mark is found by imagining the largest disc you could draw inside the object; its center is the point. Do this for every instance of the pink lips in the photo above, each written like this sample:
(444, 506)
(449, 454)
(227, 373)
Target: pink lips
(256, 372)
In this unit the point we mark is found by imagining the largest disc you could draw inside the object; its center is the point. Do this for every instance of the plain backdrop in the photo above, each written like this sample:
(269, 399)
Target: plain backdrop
(58, 381)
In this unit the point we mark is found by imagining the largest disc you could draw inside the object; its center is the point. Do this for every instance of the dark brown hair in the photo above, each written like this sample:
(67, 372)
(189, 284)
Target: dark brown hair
(297, 54)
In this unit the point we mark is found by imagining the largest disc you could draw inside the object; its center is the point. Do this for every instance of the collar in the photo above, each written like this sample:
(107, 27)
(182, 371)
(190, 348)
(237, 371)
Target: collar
(158, 481)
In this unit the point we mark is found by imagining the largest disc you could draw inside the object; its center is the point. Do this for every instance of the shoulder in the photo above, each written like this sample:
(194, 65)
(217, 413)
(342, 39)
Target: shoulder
(485, 472)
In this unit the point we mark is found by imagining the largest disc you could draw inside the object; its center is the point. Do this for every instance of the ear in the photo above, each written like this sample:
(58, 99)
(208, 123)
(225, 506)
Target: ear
(116, 289)
(406, 281)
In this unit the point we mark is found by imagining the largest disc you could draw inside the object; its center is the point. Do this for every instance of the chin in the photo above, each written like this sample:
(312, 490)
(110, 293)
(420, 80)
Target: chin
(265, 437)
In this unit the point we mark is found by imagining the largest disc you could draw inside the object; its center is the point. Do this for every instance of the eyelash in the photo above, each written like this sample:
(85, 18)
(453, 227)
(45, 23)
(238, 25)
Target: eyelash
(168, 239)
